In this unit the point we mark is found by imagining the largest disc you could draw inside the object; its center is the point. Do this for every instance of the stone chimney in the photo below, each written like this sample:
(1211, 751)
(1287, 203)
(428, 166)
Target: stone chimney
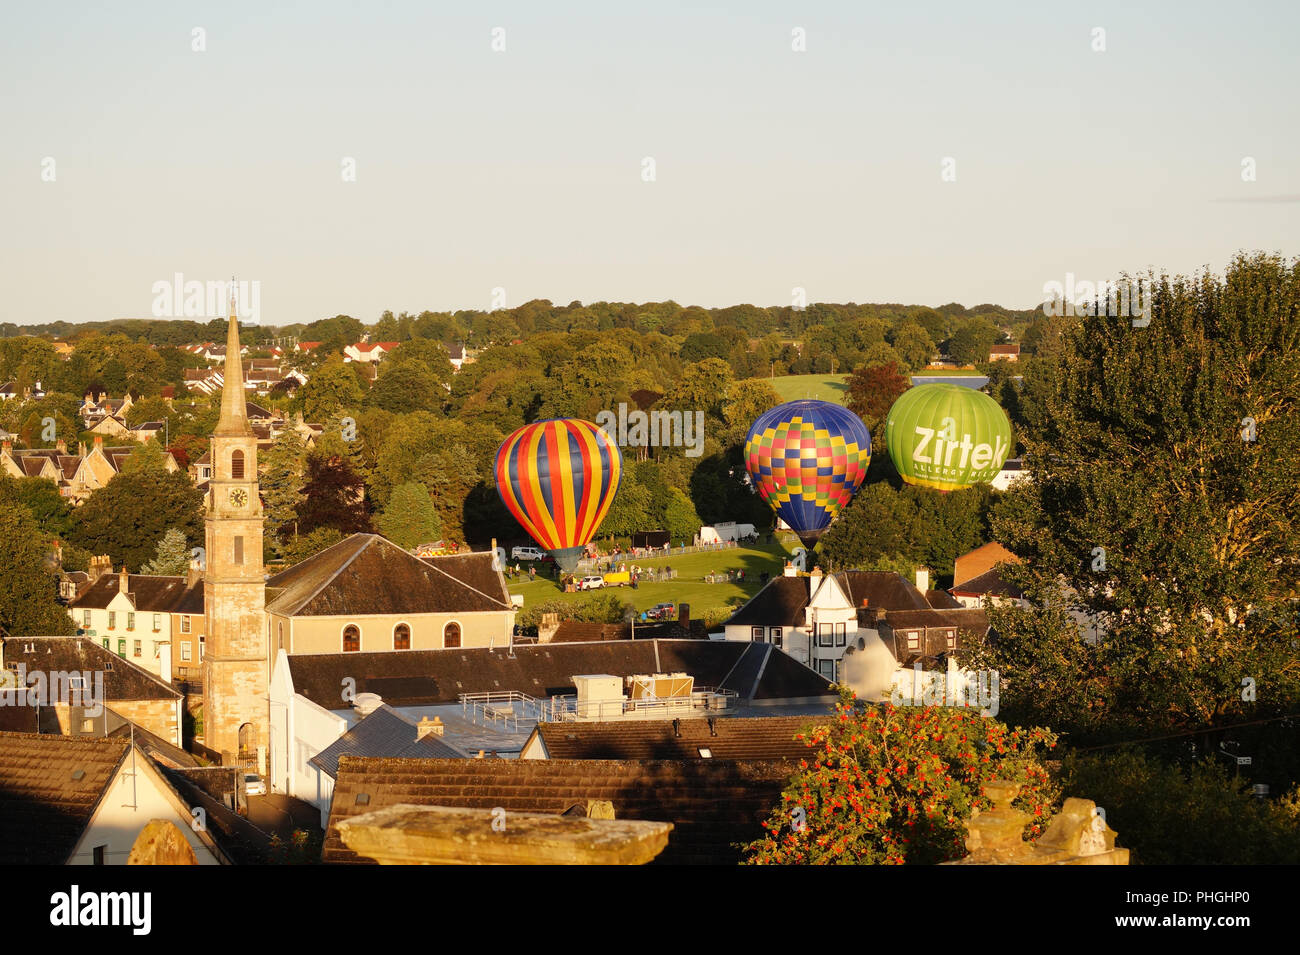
(6, 445)
(815, 575)
(195, 572)
(61, 446)
(81, 449)
(99, 442)
(684, 616)
(429, 727)
(123, 581)
(922, 579)
(546, 629)
(99, 566)
(790, 570)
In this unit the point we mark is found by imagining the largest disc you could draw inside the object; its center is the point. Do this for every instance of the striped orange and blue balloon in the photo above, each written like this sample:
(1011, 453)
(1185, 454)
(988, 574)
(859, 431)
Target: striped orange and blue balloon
(558, 478)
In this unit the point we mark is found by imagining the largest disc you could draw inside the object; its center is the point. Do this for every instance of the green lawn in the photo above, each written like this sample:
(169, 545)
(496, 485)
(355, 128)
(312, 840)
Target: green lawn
(820, 387)
(689, 585)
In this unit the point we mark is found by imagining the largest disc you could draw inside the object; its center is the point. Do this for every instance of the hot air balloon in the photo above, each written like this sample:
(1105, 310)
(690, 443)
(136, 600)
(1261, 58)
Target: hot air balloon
(808, 459)
(947, 436)
(558, 479)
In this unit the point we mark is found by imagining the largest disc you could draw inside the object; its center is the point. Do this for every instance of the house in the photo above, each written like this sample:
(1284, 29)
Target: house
(1013, 470)
(381, 732)
(1004, 353)
(818, 618)
(96, 406)
(317, 698)
(82, 684)
(980, 560)
(8, 390)
(77, 475)
(368, 352)
(85, 800)
(367, 594)
(149, 430)
(758, 737)
(714, 805)
(188, 629)
(131, 614)
(990, 584)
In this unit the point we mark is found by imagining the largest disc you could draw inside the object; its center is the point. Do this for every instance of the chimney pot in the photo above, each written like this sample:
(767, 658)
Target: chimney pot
(427, 727)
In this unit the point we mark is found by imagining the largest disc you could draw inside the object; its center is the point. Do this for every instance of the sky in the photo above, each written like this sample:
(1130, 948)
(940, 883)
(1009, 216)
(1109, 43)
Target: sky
(128, 156)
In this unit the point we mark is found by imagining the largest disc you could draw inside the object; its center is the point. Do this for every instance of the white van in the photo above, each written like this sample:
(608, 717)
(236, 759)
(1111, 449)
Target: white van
(527, 553)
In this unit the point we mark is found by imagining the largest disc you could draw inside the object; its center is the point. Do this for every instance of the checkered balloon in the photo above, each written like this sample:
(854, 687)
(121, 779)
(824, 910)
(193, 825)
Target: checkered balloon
(807, 460)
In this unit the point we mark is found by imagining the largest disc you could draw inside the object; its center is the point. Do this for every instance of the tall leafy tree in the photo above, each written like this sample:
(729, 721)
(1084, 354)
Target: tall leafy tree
(410, 518)
(333, 496)
(173, 555)
(127, 517)
(27, 604)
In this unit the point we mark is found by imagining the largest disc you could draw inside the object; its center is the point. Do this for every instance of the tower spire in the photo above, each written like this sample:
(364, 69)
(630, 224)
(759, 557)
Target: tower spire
(234, 411)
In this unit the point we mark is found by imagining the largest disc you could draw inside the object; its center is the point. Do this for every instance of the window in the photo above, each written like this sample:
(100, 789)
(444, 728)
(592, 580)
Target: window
(136, 647)
(237, 465)
(777, 634)
(280, 629)
(185, 623)
(950, 639)
(756, 634)
(840, 634)
(239, 550)
(351, 639)
(85, 619)
(185, 651)
(451, 635)
(157, 649)
(100, 852)
(401, 637)
(826, 668)
(825, 634)
(87, 726)
(130, 620)
(913, 639)
(200, 648)
(112, 620)
(157, 622)
(106, 645)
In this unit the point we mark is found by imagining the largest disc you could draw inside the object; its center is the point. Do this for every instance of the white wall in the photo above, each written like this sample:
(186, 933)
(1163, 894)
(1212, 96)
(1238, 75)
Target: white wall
(137, 795)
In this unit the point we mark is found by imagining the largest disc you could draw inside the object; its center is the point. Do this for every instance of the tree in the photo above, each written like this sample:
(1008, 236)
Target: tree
(1163, 507)
(972, 341)
(281, 485)
(27, 604)
(297, 549)
(49, 509)
(889, 785)
(407, 387)
(173, 555)
(873, 389)
(127, 517)
(147, 457)
(332, 387)
(333, 496)
(410, 518)
(913, 345)
(680, 519)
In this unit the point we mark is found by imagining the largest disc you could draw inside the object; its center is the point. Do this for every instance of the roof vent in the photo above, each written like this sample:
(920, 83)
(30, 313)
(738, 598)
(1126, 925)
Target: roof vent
(363, 799)
(78, 774)
(367, 703)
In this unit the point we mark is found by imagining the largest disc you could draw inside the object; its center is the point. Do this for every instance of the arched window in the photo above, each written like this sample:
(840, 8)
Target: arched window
(237, 465)
(451, 635)
(401, 637)
(351, 639)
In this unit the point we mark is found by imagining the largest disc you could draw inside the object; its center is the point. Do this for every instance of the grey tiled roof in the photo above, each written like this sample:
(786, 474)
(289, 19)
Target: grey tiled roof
(384, 733)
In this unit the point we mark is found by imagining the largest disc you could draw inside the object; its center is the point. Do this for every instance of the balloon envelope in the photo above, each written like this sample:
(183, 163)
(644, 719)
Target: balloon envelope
(807, 460)
(558, 479)
(946, 436)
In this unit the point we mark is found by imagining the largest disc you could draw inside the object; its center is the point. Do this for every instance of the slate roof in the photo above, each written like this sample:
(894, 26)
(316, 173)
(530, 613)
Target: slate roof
(990, 582)
(123, 680)
(150, 594)
(430, 677)
(366, 574)
(580, 631)
(782, 600)
(759, 737)
(384, 733)
(942, 600)
(712, 803)
(165, 754)
(43, 808)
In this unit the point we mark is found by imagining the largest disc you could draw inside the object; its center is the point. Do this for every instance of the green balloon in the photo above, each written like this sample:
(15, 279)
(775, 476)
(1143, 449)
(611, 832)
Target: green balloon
(947, 436)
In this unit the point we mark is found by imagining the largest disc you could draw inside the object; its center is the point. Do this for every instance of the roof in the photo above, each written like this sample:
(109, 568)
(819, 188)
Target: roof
(429, 677)
(713, 804)
(782, 600)
(989, 582)
(941, 600)
(159, 750)
(384, 733)
(49, 788)
(1005, 350)
(581, 631)
(759, 737)
(366, 574)
(147, 592)
(123, 680)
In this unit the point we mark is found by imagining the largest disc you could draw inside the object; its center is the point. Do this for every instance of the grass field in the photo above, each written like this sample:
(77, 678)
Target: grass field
(820, 387)
(689, 586)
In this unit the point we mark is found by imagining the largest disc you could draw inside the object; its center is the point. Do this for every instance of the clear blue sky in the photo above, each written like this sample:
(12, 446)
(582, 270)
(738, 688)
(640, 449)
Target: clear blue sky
(522, 169)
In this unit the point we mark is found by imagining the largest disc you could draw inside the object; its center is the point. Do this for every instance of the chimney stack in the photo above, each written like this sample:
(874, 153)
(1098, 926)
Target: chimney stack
(427, 727)
(81, 449)
(99, 442)
(195, 573)
(7, 445)
(922, 579)
(684, 616)
(123, 581)
(61, 446)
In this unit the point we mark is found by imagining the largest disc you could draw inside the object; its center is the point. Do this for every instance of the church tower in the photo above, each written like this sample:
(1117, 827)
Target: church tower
(235, 670)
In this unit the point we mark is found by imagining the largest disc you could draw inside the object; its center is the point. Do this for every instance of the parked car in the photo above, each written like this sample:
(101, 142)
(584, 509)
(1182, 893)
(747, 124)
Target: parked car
(591, 582)
(662, 612)
(527, 553)
(253, 785)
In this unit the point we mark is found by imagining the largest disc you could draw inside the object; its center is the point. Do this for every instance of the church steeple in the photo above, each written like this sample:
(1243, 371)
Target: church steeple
(234, 411)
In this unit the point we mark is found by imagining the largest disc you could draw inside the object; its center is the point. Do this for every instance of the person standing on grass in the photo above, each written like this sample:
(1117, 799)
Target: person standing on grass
(532, 574)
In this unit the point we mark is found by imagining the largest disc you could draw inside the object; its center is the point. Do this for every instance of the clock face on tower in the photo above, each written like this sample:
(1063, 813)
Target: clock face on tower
(238, 496)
